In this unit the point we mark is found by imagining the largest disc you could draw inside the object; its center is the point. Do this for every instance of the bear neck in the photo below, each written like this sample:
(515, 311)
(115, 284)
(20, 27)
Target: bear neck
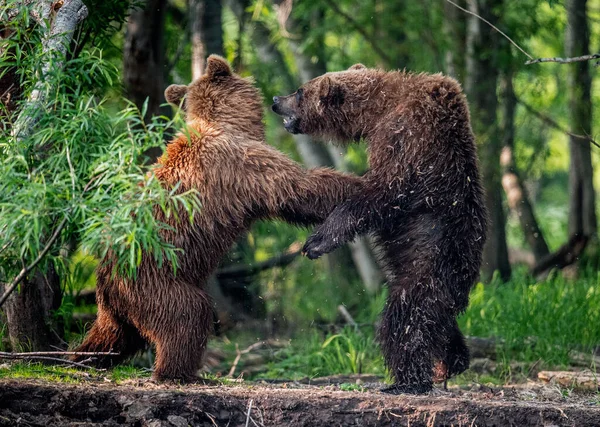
(248, 128)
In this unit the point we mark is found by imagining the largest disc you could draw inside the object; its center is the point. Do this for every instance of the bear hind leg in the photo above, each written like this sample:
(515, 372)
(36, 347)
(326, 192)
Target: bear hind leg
(180, 342)
(456, 359)
(413, 333)
(110, 335)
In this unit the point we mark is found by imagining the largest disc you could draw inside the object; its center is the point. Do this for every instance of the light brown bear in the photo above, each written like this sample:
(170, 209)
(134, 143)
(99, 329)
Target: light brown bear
(421, 198)
(240, 179)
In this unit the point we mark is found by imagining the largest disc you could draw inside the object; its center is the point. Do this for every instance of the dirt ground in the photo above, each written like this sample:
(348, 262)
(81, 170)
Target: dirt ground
(142, 403)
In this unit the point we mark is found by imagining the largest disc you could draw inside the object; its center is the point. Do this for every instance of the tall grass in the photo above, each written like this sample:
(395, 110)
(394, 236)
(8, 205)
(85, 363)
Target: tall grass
(533, 321)
(348, 351)
(540, 322)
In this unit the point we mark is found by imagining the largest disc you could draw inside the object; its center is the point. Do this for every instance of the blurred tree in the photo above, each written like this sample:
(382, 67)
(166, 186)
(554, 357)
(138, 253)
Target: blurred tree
(144, 57)
(482, 69)
(516, 193)
(454, 27)
(582, 199)
(205, 26)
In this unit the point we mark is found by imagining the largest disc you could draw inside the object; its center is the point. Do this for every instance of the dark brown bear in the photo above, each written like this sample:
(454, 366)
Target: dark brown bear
(421, 198)
(240, 179)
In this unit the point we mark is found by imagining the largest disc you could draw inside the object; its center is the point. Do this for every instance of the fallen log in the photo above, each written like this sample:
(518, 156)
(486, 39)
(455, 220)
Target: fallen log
(586, 380)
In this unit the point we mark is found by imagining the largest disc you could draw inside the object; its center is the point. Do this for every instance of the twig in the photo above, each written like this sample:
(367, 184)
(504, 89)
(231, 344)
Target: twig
(332, 4)
(565, 60)
(554, 124)
(31, 266)
(239, 355)
(248, 414)
(6, 245)
(57, 353)
(491, 25)
(277, 261)
(10, 356)
(211, 417)
(346, 315)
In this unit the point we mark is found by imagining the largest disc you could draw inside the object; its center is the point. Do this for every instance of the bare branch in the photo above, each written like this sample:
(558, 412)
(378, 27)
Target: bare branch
(555, 125)
(47, 355)
(13, 285)
(493, 26)
(58, 353)
(239, 355)
(280, 260)
(565, 60)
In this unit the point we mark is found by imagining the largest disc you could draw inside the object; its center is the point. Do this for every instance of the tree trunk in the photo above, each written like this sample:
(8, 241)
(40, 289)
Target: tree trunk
(29, 310)
(206, 32)
(454, 32)
(481, 82)
(144, 57)
(516, 194)
(582, 213)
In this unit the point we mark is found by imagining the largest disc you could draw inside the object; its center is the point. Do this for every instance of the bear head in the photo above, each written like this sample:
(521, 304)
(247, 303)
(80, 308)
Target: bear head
(221, 97)
(327, 104)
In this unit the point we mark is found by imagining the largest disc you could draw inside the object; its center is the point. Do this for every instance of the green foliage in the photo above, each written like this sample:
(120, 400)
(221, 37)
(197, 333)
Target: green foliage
(66, 374)
(84, 163)
(544, 320)
(350, 351)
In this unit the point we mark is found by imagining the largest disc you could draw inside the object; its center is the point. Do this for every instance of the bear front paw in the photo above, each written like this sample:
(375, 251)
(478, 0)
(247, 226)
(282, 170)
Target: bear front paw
(317, 245)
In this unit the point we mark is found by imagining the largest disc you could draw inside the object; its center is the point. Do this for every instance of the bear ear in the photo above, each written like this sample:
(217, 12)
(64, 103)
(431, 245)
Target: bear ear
(358, 66)
(217, 66)
(175, 93)
(330, 93)
(324, 86)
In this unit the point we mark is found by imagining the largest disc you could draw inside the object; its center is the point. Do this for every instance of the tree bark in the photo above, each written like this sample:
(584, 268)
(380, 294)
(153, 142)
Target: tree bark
(582, 212)
(29, 312)
(454, 26)
(56, 42)
(516, 194)
(206, 32)
(144, 57)
(481, 83)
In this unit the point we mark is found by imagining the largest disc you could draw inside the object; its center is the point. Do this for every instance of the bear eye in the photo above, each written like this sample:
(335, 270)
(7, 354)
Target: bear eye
(299, 94)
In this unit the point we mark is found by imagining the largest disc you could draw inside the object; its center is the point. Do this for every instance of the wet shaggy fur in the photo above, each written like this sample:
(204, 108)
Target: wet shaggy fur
(240, 179)
(421, 198)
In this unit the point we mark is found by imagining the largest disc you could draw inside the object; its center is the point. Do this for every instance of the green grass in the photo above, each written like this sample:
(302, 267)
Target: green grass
(534, 323)
(312, 355)
(537, 321)
(63, 374)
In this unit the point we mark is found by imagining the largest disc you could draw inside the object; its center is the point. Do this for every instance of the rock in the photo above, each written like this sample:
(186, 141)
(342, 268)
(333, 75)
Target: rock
(177, 421)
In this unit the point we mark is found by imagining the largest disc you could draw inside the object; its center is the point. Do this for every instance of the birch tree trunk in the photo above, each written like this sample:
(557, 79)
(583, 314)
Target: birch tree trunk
(480, 84)
(582, 200)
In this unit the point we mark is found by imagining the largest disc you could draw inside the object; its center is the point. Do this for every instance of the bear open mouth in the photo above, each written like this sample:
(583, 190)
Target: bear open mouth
(291, 124)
